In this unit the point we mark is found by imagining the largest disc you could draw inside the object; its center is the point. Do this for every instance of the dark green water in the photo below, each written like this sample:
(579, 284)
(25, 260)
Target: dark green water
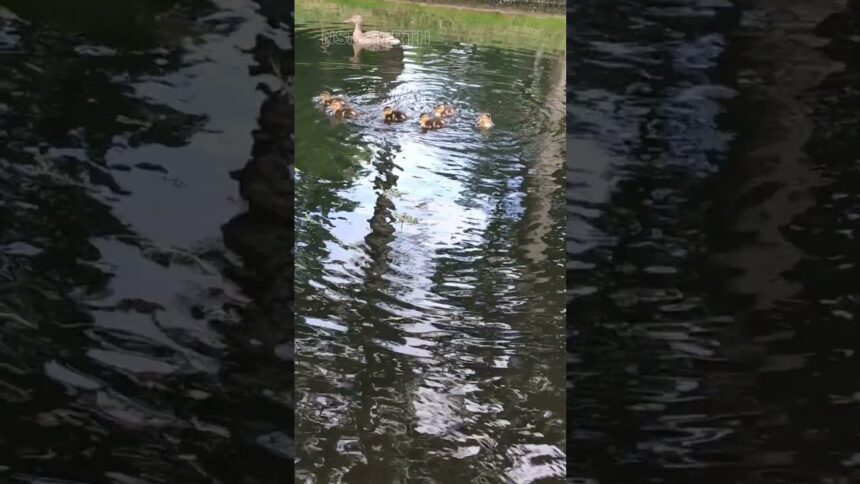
(429, 266)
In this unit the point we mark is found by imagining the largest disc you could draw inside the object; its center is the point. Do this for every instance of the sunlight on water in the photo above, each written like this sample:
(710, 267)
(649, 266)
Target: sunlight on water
(429, 270)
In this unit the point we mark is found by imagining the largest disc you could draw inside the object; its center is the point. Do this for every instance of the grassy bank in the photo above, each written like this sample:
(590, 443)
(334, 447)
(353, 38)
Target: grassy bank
(462, 23)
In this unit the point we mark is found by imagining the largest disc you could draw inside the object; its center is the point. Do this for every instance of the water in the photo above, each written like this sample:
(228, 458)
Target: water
(429, 274)
(138, 337)
(712, 243)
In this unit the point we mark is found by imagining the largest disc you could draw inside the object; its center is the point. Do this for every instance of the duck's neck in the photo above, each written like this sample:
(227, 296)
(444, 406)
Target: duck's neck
(357, 31)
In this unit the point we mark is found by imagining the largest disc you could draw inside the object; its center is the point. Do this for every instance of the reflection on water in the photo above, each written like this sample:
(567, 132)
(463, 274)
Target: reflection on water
(428, 266)
(712, 242)
(134, 347)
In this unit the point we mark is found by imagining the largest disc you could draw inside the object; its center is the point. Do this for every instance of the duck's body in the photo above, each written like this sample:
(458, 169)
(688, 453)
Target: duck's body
(346, 113)
(428, 122)
(444, 110)
(389, 115)
(339, 110)
(372, 38)
(484, 121)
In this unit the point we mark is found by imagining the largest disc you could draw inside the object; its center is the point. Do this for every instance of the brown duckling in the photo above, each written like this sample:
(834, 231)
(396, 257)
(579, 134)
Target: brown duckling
(484, 121)
(326, 98)
(339, 109)
(428, 122)
(346, 113)
(390, 115)
(444, 110)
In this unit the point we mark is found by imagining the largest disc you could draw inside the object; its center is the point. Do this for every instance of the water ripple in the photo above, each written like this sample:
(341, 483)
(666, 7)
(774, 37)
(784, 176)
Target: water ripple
(702, 336)
(428, 279)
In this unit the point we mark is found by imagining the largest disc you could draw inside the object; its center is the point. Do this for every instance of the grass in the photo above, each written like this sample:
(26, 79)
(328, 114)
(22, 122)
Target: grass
(501, 28)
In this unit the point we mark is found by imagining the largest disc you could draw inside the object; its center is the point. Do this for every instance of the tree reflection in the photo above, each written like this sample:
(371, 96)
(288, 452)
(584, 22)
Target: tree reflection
(260, 367)
(69, 98)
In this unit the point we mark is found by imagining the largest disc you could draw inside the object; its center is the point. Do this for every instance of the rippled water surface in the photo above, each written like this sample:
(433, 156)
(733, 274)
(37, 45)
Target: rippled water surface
(139, 340)
(712, 212)
(429, 265)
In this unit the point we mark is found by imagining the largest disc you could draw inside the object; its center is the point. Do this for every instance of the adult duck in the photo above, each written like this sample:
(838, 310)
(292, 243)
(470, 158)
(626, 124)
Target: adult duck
(371, 38)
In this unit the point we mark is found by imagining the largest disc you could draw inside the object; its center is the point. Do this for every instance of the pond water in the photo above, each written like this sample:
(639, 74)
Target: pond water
(712, 242)
(429, 265)
(138, 340)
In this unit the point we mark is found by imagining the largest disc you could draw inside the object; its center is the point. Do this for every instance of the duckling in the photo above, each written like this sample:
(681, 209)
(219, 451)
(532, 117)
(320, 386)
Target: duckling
(428, 122)
(338, 109)
(444, 110)
(390, 115)
(346, 113)
(484, 121)
(326, 98)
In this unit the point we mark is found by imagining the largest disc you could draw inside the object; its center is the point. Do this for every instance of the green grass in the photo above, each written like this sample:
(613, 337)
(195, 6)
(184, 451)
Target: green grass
(508, 28)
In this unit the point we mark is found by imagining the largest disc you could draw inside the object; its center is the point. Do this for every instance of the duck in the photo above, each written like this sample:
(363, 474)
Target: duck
(444, 110)
(484, 121)
(428, 122)
(326, 98)
(339, 110)
(390, 115)
(370, 38)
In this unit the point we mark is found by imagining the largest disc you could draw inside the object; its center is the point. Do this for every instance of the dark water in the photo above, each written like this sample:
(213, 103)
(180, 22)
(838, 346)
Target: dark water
(429, 275)
(144, 249)
(713, 211)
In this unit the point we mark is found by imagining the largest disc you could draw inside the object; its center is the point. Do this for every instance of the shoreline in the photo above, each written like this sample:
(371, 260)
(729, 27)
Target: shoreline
(501, 10)
(508, 28)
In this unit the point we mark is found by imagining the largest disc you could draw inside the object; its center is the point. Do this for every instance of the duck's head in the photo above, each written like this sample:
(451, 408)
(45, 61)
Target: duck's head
(484, 121)
(386, 111)
(325, 96)
(424, 118)
(355, 19)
